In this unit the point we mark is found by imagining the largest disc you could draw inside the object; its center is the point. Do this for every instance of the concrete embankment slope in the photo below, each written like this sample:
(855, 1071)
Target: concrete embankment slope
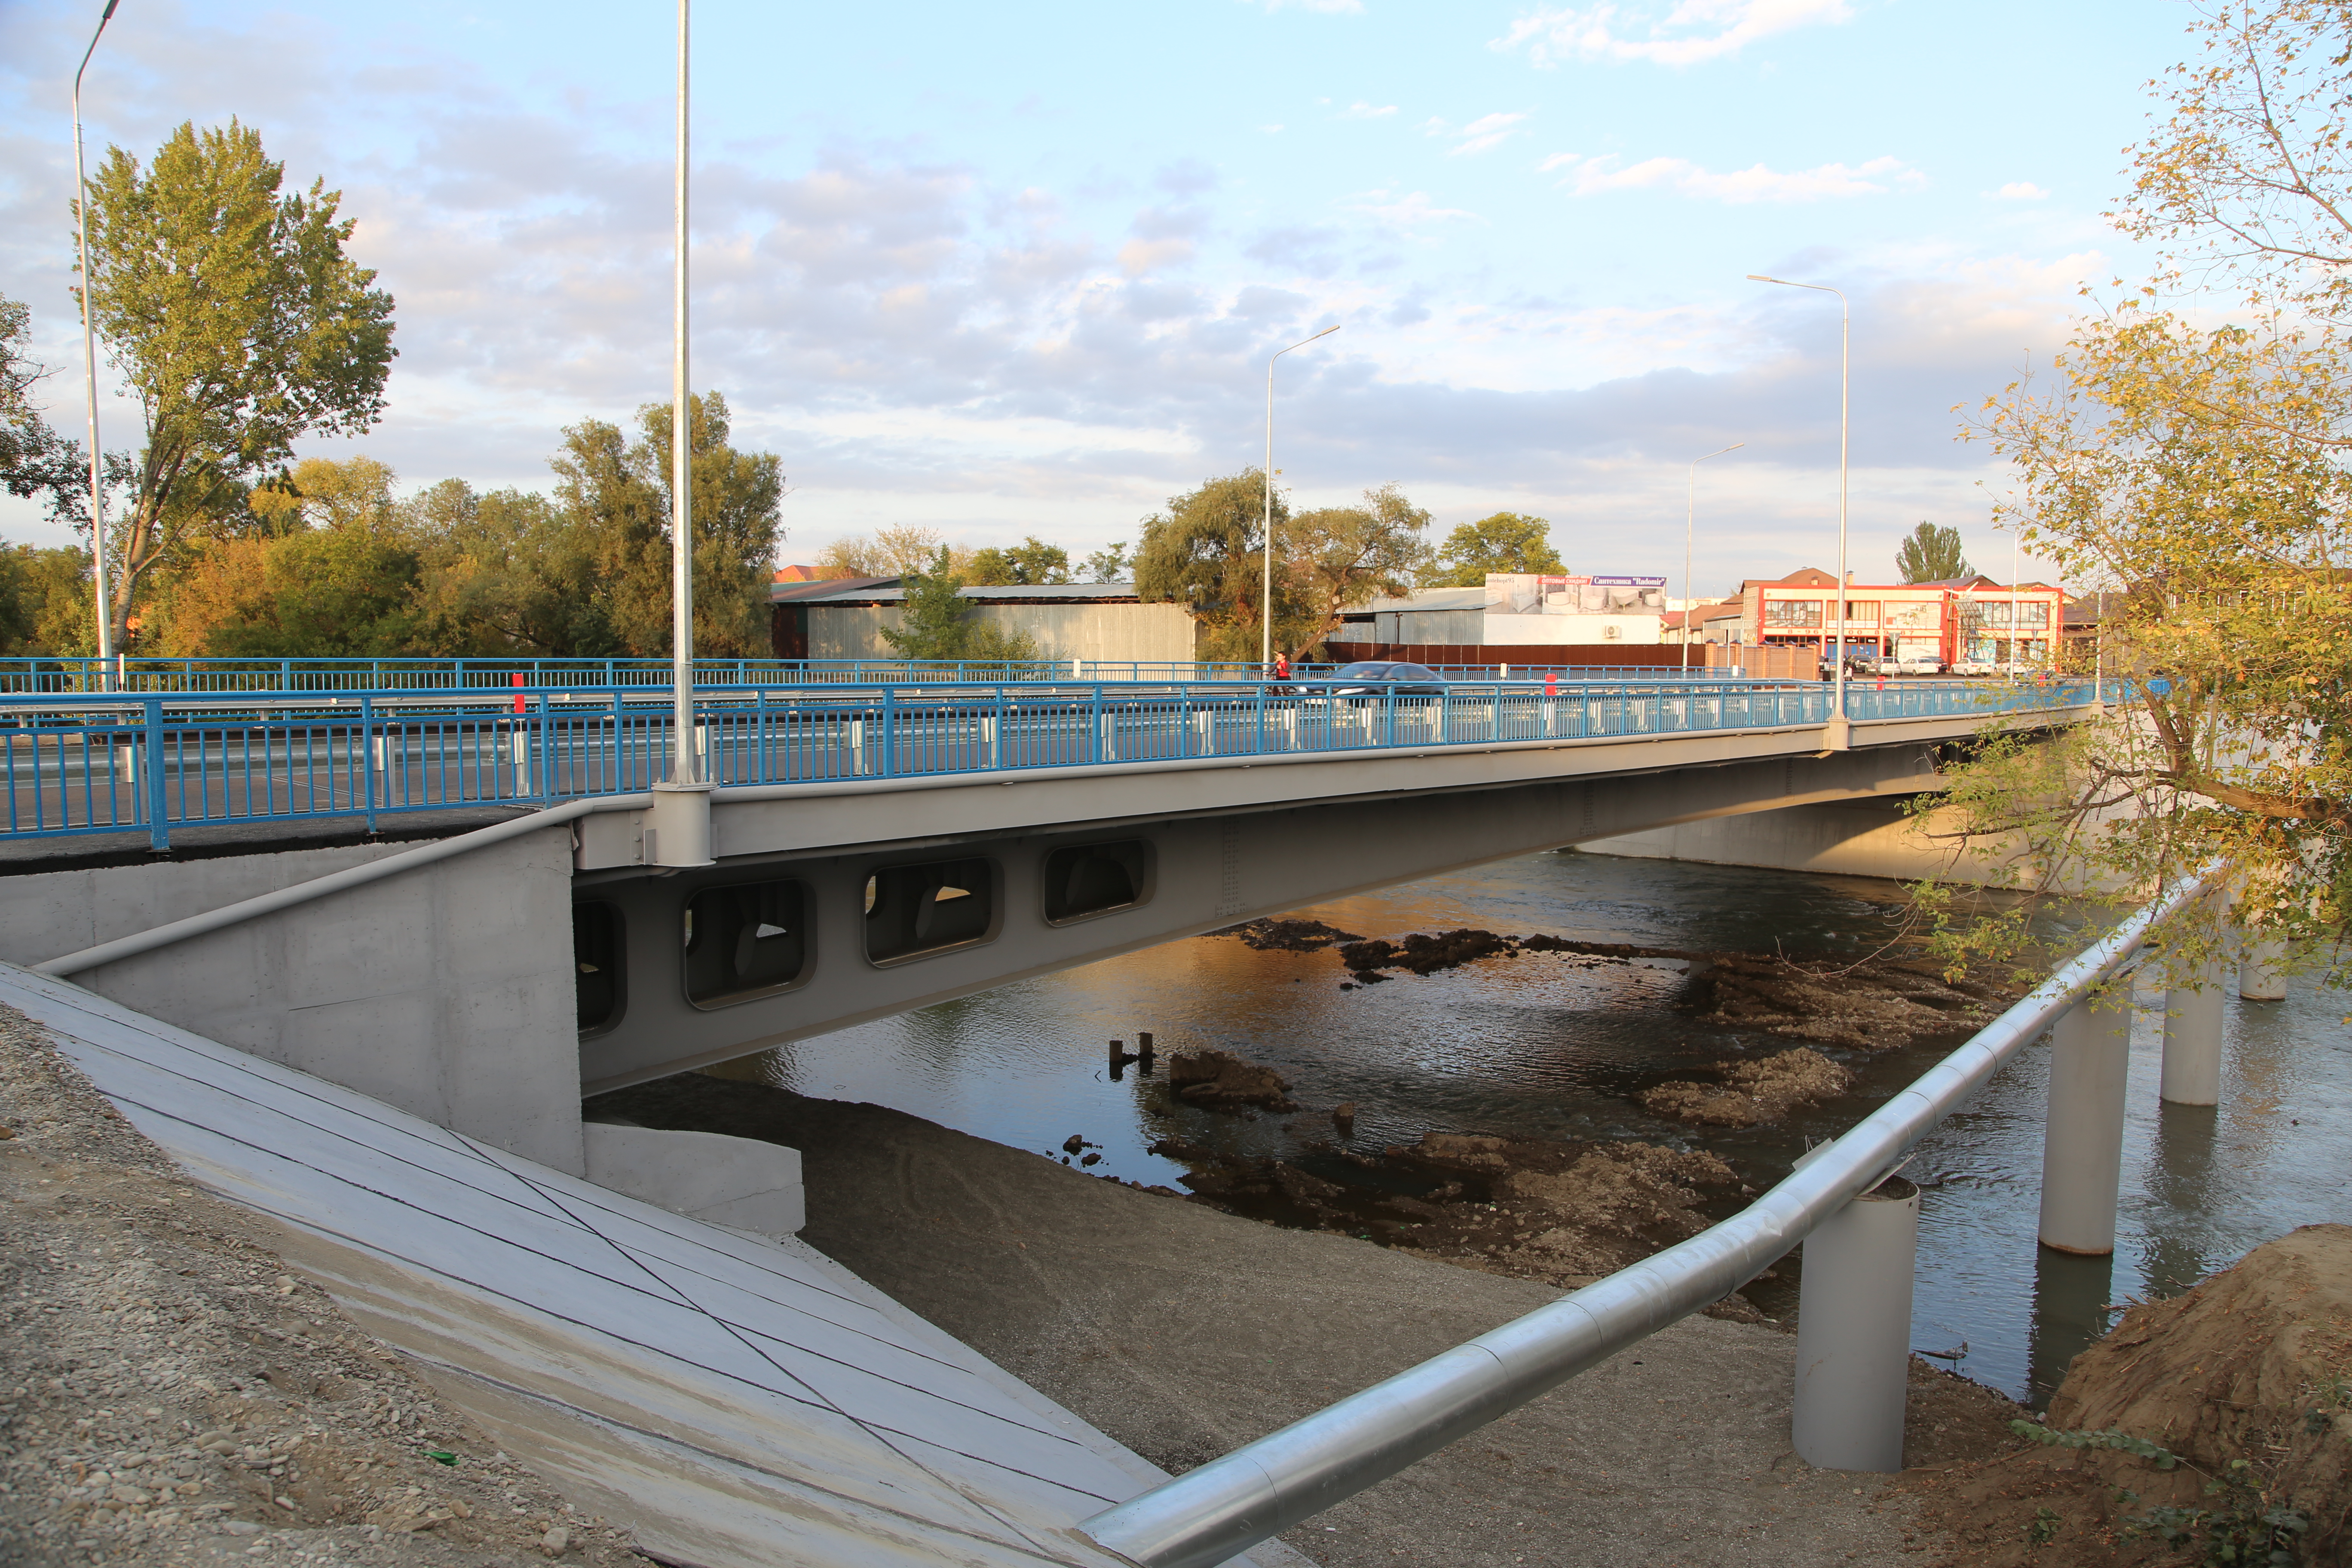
(734, 1400)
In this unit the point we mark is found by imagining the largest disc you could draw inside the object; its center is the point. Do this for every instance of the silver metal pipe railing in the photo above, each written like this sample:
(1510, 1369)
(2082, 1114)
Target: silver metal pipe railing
(1230, 1504)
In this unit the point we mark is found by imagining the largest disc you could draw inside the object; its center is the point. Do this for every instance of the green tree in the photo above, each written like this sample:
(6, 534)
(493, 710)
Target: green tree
(1339, 557)
(737, 522)
(2198, 473)
(1506, 542)
(508, 573)
(615, 493)
(1030, 563)
(1109, 564)
(936, 621)
(1931, 554)
(1204, 553)
(46, 602)
(239, 323)
(33, 458)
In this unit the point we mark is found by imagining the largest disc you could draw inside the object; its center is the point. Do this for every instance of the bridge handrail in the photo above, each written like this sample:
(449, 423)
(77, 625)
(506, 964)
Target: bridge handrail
(72, 674)
(1230, 1504)
(99, 763)
(328, 702)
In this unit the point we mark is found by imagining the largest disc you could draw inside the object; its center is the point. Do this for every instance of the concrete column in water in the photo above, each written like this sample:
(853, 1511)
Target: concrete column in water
(2262, 968)
(1853, 1333)
(2192, 1038)
(2083, 1136)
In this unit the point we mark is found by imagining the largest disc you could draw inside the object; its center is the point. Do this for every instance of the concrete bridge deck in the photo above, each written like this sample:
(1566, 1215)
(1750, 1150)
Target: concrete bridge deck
(739, 1400)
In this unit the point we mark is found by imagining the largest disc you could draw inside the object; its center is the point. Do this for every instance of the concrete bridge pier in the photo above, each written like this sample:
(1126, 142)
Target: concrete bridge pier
(2192, 1038)
(1854, 1331)
(2083, 1137)
(2261, 969)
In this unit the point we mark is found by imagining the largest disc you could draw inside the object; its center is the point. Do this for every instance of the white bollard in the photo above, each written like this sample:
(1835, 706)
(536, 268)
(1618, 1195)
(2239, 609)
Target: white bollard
(2261, 969)
(1853, 1333)
(2192, 1039)
(2083, 1137)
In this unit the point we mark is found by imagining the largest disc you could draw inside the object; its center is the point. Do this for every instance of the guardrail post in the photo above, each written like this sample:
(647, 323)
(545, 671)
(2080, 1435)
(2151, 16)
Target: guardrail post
(159, 832)
(1854, 1331)
(369, 759)
(2192, 1038)
(2083, 1134)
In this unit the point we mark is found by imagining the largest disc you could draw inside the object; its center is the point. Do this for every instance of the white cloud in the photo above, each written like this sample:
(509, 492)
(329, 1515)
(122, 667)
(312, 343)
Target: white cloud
(2020, 190)
(1487, 132)
(1138, 257)
(1360, 109)
(1408, 213)
(1602, 176)
(1689, 32)
(1330, 7)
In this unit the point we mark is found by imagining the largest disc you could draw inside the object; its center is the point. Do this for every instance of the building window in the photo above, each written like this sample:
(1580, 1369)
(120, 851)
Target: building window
(1783, 614)
(911, 910)
(1862, 611)
(745, 941)
(598, 990)
(1086, 880)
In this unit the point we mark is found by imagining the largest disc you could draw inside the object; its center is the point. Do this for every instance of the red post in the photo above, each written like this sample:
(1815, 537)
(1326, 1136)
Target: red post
(516, 679)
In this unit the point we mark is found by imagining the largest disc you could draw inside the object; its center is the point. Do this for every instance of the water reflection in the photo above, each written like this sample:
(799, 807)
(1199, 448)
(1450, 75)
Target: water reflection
(2070, 1310)
(1554, 1046)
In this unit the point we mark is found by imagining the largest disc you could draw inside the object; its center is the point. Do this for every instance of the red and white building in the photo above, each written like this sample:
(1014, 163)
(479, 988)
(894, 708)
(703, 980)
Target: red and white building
(1961, 618)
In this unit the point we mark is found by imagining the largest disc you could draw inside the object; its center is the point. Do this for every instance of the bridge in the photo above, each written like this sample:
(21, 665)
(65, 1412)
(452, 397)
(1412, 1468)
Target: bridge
(860, 850)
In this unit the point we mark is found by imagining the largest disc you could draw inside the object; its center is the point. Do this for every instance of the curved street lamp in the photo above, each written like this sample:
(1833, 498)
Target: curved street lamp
(90, 379)
(1690, 529)
(1838, 731)
(1265, 609)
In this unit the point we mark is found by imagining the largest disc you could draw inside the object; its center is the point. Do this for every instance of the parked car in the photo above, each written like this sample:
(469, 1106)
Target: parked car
(1377, 677)
(1974, 666)
(1916, 664)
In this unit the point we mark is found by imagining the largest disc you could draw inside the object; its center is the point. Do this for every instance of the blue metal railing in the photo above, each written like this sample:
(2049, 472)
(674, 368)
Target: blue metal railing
(73, 676)
(97, 765)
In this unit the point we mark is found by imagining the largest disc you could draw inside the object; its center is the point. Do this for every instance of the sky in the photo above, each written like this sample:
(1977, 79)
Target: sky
(1019, 268)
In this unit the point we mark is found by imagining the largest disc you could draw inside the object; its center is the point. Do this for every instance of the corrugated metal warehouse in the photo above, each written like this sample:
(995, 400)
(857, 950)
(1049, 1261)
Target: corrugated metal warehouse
(845, 618)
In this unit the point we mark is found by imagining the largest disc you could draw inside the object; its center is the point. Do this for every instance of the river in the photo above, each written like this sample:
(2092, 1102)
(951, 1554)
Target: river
(1532, 1047)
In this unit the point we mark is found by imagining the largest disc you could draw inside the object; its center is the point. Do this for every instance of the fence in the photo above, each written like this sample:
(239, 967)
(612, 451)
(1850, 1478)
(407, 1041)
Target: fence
(1854, 1316)
(58, 677)
(108, 764)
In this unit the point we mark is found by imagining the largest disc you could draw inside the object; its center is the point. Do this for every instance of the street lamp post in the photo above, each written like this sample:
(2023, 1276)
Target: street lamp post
(1265, 608)
(678, 828)
(684, 769)
(1690, 529)
(1838, 728)
(90, 380)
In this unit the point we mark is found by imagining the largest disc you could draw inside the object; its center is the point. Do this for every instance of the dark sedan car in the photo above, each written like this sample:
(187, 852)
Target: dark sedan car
(1376, 677)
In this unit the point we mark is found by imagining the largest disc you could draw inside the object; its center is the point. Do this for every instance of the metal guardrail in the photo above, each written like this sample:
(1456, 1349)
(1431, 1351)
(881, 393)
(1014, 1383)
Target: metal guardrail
(107, 764)
(1230, 1504)
(142, 676)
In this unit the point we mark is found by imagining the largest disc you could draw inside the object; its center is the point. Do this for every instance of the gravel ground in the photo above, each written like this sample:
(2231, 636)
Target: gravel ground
(1184, 1333)
(172, 1394)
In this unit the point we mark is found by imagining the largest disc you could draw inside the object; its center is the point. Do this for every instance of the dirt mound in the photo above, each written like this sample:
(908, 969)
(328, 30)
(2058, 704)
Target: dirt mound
(1219, 1081)
(1872, 1006)
(1288, 936)
(1423, 953)
(1528, 1207)
(1765, 1089)
(2213, 1424)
